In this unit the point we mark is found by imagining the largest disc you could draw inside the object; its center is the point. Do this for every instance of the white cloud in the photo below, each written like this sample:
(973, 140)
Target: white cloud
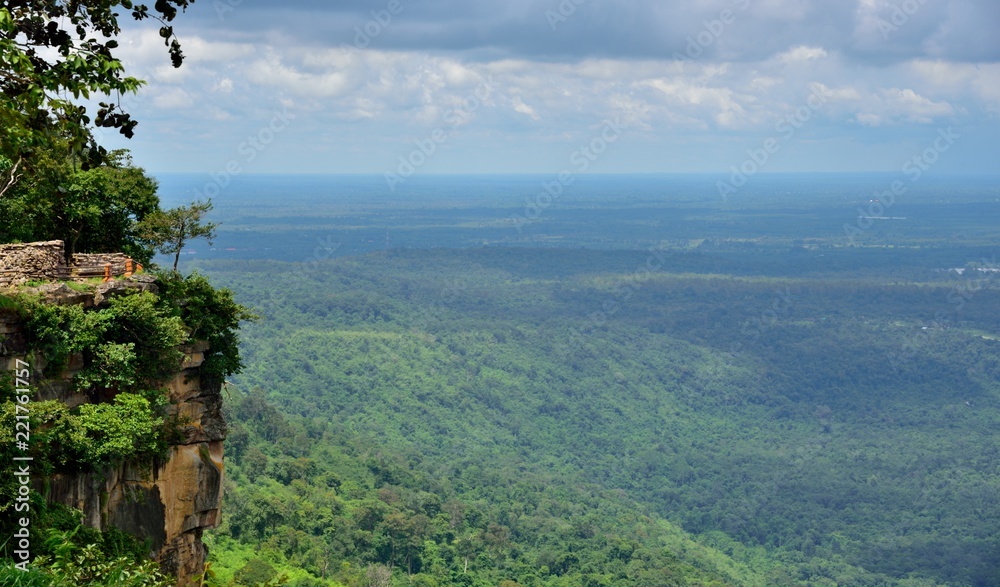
(358, 95)
(718, 103)
(802, 54)
(225, 86)
(173, 98)
(520, 106)
(905, 103)
(956, 80)
(272, 71)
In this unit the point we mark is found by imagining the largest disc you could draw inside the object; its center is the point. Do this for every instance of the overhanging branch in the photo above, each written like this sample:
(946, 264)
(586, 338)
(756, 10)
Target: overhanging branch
(13, 178)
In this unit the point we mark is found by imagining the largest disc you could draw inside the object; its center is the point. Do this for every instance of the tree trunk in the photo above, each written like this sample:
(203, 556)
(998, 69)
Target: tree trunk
(180, 243)
(177, 253)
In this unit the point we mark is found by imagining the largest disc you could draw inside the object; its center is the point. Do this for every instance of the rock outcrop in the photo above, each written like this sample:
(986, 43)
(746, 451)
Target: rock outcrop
(173, 502)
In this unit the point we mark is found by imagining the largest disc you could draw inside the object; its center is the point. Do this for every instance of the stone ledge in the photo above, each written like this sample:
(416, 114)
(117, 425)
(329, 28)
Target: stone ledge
(21, 263)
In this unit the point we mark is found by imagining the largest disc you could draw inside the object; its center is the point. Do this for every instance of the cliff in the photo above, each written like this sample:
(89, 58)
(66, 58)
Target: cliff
(170, 503)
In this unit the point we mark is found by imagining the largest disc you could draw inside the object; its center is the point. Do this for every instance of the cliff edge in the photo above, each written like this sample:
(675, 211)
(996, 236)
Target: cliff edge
(175, 499)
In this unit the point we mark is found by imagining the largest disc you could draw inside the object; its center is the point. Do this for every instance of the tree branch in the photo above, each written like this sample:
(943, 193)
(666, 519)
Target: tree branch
(13, 178)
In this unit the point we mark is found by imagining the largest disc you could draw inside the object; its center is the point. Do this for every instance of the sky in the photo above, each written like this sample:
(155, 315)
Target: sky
(405, 87)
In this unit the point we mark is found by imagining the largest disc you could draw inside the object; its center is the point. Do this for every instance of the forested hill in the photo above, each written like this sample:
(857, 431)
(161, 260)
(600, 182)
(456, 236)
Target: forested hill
(814, 430)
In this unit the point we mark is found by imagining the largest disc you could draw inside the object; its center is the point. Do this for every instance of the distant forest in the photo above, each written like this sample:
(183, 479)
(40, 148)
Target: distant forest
(513, 414)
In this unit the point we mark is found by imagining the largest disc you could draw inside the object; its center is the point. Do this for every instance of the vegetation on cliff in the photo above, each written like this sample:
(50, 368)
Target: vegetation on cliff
(123, 352)
(74, 555)
(58, 183)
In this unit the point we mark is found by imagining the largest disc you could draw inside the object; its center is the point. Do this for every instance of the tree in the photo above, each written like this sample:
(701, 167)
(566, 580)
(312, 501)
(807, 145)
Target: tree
(53, 52)
(378, 576)
(94, 211)
(169, 231)
(254, 573)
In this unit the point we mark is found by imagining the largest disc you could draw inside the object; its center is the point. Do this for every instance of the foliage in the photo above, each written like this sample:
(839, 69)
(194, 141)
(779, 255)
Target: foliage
(93, 435)
(64, 548)
(132, 345)
(124, 429)
(52, 53)
(257, 573)
(71, 564)
(485, 375)
(332, 510)
(210, 314)
(96, 211)
(170, 230)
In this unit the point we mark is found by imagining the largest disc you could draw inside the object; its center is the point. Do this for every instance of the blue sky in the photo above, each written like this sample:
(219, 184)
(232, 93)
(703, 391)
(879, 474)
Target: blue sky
(538, 86)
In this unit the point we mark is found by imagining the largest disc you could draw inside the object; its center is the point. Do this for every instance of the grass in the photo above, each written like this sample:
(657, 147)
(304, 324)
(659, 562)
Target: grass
(83, 286)
(86, 286)
(9, 303)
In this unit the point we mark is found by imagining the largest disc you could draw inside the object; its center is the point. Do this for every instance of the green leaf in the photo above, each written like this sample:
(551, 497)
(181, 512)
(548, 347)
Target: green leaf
(6, 22)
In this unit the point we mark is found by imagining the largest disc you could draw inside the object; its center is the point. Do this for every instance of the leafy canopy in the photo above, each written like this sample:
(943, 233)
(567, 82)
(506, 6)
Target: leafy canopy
(169, 230)
(53, 52)
(98, 210)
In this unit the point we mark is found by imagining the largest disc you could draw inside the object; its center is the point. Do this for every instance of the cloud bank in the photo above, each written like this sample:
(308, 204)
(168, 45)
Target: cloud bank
(694, 84)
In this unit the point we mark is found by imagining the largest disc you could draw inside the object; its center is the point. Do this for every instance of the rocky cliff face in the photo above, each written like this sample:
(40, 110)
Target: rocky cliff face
(174, 501)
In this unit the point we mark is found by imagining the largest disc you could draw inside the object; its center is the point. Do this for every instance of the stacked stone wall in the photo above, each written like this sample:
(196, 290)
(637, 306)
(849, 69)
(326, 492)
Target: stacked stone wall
(86, 265)
(46, 261)
(21, 263)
